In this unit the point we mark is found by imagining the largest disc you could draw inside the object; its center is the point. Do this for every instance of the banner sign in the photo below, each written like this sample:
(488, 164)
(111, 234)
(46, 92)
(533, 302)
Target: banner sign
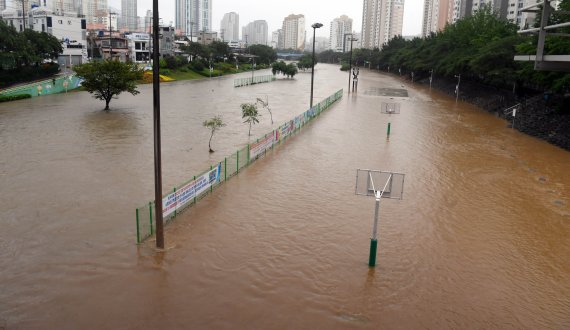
(257, 148)
(188, 192)
(287, 129)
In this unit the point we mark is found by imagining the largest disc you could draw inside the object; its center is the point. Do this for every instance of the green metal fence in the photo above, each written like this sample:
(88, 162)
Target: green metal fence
(197, 187)
(45, 87)
(254, 80)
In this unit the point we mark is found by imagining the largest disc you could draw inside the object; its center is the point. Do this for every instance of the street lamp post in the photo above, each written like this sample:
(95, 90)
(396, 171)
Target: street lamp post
(351, 39)
(315, 27)
(458, 76)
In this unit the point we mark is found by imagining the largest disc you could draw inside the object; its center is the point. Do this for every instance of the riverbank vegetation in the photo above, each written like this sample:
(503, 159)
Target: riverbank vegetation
(480, 48)
(27, 55)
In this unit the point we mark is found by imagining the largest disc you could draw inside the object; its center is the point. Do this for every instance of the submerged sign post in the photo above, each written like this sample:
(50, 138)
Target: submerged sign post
(379, 184)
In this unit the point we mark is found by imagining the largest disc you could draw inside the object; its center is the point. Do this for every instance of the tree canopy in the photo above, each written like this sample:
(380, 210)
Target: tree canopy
(480, 47)
(26, 48)
(289, 70)
(265, 54)
(107, 79)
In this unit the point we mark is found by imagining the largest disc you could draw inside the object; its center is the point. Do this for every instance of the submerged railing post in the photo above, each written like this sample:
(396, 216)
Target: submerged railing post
(138, 229)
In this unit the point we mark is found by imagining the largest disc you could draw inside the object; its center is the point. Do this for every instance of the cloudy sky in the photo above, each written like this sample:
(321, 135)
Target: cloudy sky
(322, 11)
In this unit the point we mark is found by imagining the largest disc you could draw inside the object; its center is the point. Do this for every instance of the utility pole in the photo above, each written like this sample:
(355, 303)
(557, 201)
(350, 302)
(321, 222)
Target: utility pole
(157, 142)
(110, 37)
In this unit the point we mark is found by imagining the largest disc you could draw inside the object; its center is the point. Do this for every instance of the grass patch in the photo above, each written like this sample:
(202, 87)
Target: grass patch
(181, 75)
(14, 97)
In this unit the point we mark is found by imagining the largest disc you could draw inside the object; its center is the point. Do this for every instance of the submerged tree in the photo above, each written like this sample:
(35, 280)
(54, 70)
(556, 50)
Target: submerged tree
(108, 79)
(213, 124)
(265, 105)
(250, 113)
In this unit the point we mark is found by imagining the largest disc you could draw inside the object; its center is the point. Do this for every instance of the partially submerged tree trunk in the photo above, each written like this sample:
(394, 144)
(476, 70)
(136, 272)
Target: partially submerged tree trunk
(210, 142)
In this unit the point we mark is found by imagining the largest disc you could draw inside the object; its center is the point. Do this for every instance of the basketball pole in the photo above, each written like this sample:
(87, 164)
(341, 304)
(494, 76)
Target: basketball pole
(374, 238)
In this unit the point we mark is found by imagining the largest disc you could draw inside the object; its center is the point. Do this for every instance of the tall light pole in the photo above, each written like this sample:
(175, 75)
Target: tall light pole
(458, 76)
(315, 27)
(156, 121)
(351, 39)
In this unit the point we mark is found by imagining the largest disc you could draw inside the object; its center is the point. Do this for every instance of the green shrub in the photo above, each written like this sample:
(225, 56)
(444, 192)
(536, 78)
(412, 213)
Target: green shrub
(165, 72)
(14, 97)
(197, 66)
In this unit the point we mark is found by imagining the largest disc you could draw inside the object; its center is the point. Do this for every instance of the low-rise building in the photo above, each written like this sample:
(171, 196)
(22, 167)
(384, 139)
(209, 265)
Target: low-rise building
(68, 28)
(139, 47)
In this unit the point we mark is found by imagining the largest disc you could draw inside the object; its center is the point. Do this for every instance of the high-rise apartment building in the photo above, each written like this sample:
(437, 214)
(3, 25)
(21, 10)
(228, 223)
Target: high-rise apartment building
(381, 21)
(256, 32)
(2, 5)
(95, 10)
(339, 28)
(129, 17)
(275, 39)
(148, 21)
(294, 32)
(437, 13)
(229, 27)
(192, 16)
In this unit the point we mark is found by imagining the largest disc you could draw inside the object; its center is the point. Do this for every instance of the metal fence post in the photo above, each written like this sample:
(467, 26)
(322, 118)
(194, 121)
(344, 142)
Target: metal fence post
(138, 229)
(225, 168)
(194, 191)
(174, 191)
(248, 153)
(237, 163)
(211, 185)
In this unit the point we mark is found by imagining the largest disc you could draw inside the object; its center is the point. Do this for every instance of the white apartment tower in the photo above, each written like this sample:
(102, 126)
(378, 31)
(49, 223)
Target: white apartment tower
(229, 27)
(438, 13)
(129, 17)
(381, 21)
(294, 32)
(192, 16)
(339, 28)
(256, 32)
(95, 10)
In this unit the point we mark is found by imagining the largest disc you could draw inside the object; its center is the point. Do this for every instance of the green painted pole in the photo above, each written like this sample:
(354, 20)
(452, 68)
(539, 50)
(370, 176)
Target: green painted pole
(174, 191)
(211, 186)
(225, 168)
(138, 229)
(237, 163)
(389, 129)
(194, 192)
(373, 248)
(248, 153)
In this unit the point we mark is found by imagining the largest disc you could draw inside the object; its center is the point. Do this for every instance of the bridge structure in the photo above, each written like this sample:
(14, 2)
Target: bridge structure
(541, 61)
(289, 56)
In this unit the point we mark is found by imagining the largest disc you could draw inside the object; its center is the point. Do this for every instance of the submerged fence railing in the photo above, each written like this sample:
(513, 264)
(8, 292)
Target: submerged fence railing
(255, 80)
(190, 192)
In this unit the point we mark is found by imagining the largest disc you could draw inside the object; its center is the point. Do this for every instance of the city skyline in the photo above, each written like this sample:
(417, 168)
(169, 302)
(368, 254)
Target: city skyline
(314, 11)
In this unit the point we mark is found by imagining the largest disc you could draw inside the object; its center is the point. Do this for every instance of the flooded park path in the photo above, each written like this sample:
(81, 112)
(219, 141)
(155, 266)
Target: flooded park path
(480, 240)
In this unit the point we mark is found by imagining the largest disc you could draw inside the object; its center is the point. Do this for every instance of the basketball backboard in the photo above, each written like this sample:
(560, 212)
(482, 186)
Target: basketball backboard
(388, 184)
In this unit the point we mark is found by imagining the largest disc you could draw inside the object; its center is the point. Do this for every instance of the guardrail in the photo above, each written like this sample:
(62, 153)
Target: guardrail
(252, 81)
(199, 186)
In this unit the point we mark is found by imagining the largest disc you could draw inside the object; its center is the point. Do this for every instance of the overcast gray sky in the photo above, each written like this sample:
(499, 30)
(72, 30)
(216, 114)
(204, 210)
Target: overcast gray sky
(322, 11)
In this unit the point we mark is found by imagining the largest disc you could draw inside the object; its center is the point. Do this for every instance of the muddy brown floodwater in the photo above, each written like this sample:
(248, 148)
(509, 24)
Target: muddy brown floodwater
(481, 239)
